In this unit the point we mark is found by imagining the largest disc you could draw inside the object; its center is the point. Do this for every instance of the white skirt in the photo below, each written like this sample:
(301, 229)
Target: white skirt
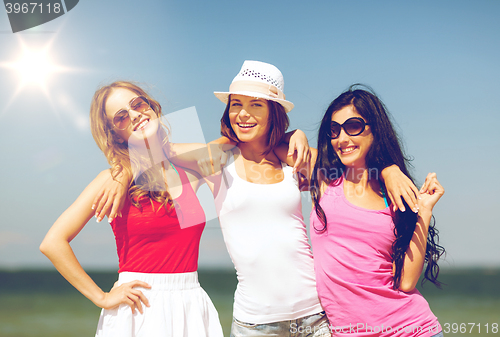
(179, 307)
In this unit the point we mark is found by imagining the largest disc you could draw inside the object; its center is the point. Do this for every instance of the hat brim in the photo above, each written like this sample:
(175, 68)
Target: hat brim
(223, 96)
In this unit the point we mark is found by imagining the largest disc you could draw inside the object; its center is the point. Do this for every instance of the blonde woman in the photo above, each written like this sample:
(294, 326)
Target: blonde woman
(157, 237)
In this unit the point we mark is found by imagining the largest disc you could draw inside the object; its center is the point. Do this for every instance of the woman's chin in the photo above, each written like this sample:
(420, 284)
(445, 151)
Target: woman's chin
(148, 132)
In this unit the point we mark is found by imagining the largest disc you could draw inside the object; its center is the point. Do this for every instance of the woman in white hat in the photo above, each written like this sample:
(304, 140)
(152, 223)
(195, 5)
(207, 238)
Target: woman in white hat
(260, 213)
(157, 238)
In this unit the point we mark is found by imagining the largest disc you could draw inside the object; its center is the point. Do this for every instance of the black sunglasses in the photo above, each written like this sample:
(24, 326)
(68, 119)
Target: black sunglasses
(121, 119)
(354, 126)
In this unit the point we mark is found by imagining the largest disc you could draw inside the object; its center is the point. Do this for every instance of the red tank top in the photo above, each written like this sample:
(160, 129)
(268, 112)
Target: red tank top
(154, 240)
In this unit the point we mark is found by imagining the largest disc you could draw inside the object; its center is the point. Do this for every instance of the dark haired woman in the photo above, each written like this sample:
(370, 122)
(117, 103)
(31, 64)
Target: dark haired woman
(368, 259)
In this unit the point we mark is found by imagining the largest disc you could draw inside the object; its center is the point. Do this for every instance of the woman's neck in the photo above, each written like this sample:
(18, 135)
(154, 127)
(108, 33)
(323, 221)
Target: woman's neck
(253, 151)
(151, 149)
(362, 188)
(155, 148)
(360, 176)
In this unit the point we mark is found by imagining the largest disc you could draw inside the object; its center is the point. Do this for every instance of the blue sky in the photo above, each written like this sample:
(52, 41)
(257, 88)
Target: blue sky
(434, 64)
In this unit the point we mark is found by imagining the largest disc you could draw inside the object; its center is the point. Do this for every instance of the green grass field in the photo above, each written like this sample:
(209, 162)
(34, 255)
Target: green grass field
(43, 304)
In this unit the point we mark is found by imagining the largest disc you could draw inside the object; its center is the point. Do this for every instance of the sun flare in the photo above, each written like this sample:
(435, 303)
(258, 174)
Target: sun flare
(34, 67)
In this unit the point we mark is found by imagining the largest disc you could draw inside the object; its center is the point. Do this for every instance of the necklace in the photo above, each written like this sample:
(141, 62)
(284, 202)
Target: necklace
(163, 166)
(173, 168)
(163, 172)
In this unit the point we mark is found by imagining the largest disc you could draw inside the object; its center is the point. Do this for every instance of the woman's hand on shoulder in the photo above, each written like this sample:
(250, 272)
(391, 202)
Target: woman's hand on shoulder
(430, 193)
(111, 196)
(295, 152)
(126, 294)
(298, 149)
(214, 160)
(400, 187)
(205, 159)
(301, 167)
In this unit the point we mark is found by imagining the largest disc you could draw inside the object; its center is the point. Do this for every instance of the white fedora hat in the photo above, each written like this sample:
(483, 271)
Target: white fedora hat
(258, 79)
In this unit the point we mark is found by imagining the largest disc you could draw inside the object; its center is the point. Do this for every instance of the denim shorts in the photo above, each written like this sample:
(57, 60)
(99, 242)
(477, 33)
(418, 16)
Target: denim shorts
(440, 334)
(316, 325)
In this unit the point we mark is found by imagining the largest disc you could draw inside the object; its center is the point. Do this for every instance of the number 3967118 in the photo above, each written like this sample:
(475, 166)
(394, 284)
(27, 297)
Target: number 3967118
(32, 7)
(470, 328)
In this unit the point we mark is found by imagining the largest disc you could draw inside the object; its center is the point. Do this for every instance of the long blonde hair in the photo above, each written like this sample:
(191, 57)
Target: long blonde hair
(117, 153)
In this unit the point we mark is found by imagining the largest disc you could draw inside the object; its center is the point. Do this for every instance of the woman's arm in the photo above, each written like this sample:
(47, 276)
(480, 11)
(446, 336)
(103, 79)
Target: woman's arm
(432, 191)
(56, 246)
(299, 151)
(299, 155)
(111, 195)
(399, 185)
(294, 150)
(204, 159)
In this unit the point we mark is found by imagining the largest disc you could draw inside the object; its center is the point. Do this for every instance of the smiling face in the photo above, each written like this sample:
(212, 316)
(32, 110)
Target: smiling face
(352, 150)
(249, 118)
(142, 125)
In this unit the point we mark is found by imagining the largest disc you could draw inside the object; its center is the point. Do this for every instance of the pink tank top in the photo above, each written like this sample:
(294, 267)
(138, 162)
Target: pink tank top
(353, 266)
(154, 240)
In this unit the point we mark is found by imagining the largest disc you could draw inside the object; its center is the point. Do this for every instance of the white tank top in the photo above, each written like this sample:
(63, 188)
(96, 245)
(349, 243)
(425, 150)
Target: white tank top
(266, 238)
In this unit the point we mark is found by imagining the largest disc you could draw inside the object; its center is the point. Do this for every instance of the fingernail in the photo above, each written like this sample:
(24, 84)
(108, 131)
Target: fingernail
(98, 219)
(403, 209)
(415, 210)
(93, 207)
(110, 219)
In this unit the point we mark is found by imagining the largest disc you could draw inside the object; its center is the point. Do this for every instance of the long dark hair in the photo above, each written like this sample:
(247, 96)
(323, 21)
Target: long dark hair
(386, 150)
